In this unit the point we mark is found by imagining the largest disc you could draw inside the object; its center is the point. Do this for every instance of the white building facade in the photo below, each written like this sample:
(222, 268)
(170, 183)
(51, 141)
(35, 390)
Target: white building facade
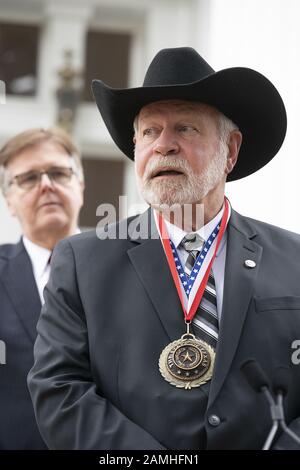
(260, 34)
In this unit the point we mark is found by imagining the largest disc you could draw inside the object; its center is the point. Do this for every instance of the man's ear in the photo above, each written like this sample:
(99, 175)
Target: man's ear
(234, 145)
(10, 204)
(82, 188)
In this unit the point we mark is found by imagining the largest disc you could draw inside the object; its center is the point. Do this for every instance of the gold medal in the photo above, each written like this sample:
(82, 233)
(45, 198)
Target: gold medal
(187, 362)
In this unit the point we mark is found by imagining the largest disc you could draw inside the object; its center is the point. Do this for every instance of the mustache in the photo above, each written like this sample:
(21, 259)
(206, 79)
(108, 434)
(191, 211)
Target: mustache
(166, 163)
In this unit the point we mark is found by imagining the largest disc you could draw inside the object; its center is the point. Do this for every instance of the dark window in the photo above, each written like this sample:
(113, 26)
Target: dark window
(107, 59)
(103, 185)
(18, 58)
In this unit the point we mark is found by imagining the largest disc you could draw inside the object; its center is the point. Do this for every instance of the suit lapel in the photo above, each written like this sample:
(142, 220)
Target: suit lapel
(149, 261)
(238, 289)
(19, 282)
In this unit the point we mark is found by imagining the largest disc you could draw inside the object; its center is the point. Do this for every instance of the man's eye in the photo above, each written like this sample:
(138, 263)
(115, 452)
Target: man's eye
(186, 129)
(57, 173)
(29, 177)
(150, 131)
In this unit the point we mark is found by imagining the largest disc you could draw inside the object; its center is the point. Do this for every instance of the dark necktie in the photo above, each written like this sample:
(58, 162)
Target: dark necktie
(205, 322)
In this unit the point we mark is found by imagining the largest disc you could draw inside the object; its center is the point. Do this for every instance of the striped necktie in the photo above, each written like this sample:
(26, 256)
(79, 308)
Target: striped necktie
(205, 322)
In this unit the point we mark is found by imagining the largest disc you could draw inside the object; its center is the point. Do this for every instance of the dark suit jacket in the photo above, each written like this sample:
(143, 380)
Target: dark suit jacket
(20, 307)
(111, 307)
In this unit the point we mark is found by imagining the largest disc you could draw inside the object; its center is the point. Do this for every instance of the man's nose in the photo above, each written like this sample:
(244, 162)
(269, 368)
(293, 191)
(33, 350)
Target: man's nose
(166, 144)
(45, 182)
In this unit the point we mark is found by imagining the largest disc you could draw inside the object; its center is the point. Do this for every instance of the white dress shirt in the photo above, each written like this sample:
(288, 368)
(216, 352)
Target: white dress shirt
(176, 235)
(39, 257)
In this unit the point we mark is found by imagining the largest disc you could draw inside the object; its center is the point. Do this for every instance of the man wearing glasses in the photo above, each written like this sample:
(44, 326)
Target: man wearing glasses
(42, 181)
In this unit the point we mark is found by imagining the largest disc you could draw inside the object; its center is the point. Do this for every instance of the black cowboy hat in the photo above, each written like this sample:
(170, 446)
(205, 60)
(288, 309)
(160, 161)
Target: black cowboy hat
(245, 96)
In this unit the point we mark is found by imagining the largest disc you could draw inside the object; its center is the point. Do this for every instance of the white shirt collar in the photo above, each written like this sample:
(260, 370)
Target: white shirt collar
(39, 257)
(176, 234)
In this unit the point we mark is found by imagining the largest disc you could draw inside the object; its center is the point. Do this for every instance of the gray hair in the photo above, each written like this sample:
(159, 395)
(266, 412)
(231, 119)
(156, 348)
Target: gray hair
(35, 137)
(226, 126)
(135, 124)
(3, 179)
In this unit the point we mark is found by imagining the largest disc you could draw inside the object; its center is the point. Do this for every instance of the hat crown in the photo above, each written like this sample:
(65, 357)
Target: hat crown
(176, 66)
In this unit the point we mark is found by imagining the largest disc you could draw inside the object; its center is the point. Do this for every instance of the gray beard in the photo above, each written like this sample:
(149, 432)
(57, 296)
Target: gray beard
(186, 189)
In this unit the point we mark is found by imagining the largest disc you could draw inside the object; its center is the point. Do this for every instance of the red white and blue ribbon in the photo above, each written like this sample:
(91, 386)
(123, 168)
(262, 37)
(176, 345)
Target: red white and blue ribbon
(194, 286)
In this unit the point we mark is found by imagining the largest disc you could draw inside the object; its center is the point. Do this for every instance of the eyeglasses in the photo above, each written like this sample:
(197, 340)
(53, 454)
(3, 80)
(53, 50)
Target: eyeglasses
(30, 179)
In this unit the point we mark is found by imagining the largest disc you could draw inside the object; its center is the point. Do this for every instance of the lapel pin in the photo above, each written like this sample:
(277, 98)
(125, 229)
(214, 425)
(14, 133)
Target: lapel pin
(249, 263)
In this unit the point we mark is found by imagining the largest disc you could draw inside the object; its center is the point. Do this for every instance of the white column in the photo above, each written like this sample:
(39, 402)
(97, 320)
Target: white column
(134, 200)
(64, 28)
(168, 24)
(201, 26)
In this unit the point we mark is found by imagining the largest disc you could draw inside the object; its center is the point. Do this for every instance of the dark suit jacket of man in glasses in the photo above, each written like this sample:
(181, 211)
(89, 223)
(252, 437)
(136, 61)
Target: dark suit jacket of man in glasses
(47, 207)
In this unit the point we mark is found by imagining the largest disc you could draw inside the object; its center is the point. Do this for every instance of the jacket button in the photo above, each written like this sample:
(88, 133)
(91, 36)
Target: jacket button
(214, 420)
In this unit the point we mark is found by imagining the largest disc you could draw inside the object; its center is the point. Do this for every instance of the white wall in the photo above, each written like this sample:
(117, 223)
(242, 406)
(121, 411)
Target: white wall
(10, 230)
(264, 35)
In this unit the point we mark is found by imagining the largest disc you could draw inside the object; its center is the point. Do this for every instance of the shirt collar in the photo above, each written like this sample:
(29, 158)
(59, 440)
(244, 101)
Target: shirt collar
(39, 256)
(176, 234)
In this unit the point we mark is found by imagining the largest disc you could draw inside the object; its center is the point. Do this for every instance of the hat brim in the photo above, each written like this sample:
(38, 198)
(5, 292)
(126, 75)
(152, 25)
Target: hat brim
(245, 96)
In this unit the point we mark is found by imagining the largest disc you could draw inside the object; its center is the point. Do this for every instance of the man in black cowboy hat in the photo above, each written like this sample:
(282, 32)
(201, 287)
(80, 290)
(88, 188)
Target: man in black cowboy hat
(141, 338)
